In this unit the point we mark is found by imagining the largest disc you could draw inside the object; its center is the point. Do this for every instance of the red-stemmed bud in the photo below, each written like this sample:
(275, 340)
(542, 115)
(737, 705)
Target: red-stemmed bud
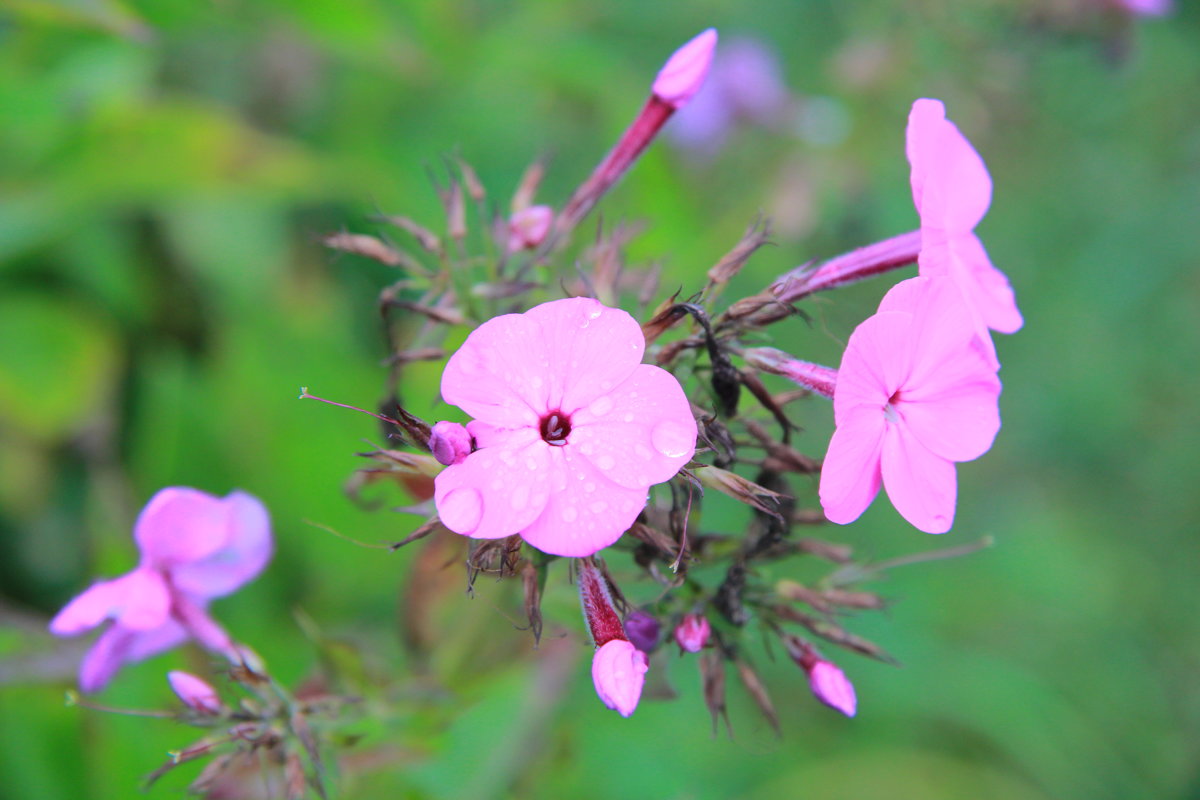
(449, 442)
(602, 618)
(642, 630)
(684, 73)
(619, 672)
(865, 262)
(528, 227)
(692, 633)
(827, 681)
(195, 693)
(813, 377)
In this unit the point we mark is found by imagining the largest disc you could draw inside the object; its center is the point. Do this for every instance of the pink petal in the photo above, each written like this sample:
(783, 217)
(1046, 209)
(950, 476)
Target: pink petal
(496, 491)
(139, 600)
(986, 288)
(639, 433)
(500, 375)
(179, 525)
(245, 553)
(591, 349)
(875, 364)
(958, 425)
(831, 686)
(921, 485)
(619, 672)
(196, 693)
(951, 186)
(119, 645)
(941, 331)
(586, 512)
(850, 476)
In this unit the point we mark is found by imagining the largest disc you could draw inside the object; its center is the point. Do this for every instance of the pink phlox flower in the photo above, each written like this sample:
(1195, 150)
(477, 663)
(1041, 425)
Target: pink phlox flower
(916, 392)
(619, 672)
(528, 227)
(194, 547)
(831, 686)
(692, 633)
(571, 428)
(952, 191)
(196, 693)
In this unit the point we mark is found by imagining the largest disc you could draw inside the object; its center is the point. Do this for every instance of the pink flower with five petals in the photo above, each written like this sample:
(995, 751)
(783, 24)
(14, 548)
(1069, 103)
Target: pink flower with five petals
(194, 547)
(952, 191)
(916, 392)
(571, 429)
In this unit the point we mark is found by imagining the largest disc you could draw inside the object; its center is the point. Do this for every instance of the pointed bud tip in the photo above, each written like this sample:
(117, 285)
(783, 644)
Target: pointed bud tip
(619, 673)
(684, 73)
(831, 686)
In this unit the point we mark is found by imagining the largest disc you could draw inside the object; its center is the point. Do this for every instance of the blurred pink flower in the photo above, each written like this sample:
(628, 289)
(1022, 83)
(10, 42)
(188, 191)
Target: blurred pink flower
(831, 686)
(194, 547)
(917, 391)
(952, 191)
(619, 672)
(195, 692)
(692, 633)
(528, 227)
(1144, 8)
(571, 428)
(683, 74)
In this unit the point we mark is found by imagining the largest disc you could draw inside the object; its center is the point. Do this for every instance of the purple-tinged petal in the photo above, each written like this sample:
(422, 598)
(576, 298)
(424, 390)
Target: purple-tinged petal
(139, 600)
(449, 442)
(640, 432)
(499, 374)
(850, 475)
(876, 363)
(496, 491)
(119, 645)
(88, 609)
(585, 511)
(591, 349)
(921, 485)
(180, 525)
(619, 672)
(245, 553)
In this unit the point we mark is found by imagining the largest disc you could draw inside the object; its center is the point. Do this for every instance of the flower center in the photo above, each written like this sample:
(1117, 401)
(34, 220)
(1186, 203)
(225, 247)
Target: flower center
(555, 428)
(889, 411)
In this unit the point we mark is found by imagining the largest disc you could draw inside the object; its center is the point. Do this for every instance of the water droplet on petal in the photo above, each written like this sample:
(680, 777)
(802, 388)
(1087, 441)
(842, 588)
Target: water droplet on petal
(605, 463)
(461, 509)
(596, 312)
(627, 418)
(598, 506)
(531, 464)
(672, 439)
(601, 405)
(569, 514)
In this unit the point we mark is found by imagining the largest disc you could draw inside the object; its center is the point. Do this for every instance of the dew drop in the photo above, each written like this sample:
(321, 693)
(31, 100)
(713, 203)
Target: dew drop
(596, 312)
(627, 418)
(601, 405)
(586, 448)
(461, 510)
(598, 507)
(569, 514)
(672, 439)
(605, 463)
(530, 464)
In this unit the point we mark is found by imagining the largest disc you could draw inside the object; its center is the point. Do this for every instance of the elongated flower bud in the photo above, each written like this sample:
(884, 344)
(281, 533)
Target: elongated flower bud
(813, 377)
(684, 73)
(827, 681)
(619, 672)
(195, 693)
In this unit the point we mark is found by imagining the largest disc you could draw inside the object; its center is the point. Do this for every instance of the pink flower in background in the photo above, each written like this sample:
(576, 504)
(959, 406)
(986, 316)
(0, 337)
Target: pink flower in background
(952, 191)
(1144, 8)
(916, 392)
(194, 547)
(692, 633)
(571, 428)
(619, 672)
(684, 73)
(195, 692)
(528, 227)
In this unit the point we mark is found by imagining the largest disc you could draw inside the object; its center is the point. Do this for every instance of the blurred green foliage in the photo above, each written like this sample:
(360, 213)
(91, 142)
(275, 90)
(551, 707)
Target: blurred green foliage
(167, 166)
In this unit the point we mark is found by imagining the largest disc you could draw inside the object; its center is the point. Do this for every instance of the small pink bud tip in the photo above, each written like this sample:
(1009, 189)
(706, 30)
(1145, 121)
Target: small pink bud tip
(683, 74)
(195, 693)
(449, 442)
(528, 227)
(831, 686)
(619, 672)
(692, 633)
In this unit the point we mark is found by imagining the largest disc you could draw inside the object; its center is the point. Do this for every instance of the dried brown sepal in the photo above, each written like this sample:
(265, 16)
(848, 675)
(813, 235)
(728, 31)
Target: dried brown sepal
(427, 239)
(427, 527)
(731, 263)
(782, 457)
(835, 634)
(752, 382)
(212, 772)
(295, 782)
(407, 463)
(448, 316)
(503, 290)
(416, 354)
(790, 396)
(527, 188)
(360, 244)
(837, 553)
(654, 538)
(667, 315)
(848, 599)
(531, 580)
(748, 306)
(739, 488)
(456, 212)
(758, 691)
(718, 437)
(649, 286)
(798, 593)
(471, 179)
(712, 675)
(197, 749)
(303, 733)
(669, 352)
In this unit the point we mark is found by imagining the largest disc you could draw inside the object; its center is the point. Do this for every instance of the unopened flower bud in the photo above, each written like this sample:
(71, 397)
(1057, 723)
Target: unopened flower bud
(602, 618)
(684, 73)
(692, 633)
(619, 672)
(528, 227)
(195, 693)
(642, 630)
(449, 442)
(831, 686)
(814, 377)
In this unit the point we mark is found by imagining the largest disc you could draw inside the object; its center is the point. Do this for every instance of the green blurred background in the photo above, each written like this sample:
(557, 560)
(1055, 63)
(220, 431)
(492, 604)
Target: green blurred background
(166, 167)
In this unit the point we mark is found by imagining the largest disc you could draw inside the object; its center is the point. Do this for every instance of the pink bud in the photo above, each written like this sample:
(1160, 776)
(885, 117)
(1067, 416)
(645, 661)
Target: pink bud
(692, 633)
(832, 687)
(449, 442)
(684, 73)
(528, 227)
(814, 377)
(619, 670)
(642, 629)
(195, 693)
